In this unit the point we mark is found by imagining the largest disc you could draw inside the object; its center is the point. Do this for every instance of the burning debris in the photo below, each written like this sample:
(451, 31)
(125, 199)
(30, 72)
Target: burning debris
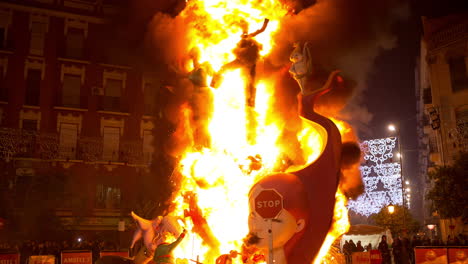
(239, 132)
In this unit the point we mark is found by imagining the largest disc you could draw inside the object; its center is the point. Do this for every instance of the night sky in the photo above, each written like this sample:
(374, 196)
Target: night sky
(390, 96)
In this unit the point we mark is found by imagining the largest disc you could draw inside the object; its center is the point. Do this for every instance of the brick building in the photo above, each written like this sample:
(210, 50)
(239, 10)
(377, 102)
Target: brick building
(76, 115)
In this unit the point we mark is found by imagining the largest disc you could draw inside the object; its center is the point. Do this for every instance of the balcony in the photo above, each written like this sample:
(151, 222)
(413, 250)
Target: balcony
(18, 143)
(112, 104)
(80, 104)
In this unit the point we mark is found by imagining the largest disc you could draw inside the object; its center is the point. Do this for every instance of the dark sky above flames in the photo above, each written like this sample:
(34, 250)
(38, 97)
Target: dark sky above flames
(374, 42)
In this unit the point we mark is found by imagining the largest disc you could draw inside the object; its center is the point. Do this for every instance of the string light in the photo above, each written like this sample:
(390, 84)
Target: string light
(381, 177)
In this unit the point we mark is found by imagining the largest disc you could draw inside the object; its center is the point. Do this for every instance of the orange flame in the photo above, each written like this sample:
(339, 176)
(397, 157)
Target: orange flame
(244, 140)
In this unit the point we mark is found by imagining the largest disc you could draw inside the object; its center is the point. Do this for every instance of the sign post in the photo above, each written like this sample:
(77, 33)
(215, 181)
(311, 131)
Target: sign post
(268, 204)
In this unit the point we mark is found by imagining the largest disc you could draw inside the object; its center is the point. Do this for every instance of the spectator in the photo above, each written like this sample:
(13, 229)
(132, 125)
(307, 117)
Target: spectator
(396, 250)
(384, 251)
(405, 250)
(359, 247)
(347, 251)
(352, 246)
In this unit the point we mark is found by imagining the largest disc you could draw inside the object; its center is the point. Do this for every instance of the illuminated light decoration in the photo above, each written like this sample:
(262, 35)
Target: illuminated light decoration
(381, 177)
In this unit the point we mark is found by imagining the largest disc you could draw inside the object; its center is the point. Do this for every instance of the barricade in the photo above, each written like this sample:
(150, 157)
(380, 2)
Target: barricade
(76, 257)
(114, 253)
(375, 256)
(360, 258)
(42, 259)
(458, 255)
(9, 258)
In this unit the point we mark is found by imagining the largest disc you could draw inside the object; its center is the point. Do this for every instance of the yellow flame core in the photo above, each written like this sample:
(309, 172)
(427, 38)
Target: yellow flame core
(220, 175)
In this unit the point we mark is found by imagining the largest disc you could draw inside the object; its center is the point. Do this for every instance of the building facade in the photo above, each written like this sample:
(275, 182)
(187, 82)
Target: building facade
(442, 90)
(75, 113)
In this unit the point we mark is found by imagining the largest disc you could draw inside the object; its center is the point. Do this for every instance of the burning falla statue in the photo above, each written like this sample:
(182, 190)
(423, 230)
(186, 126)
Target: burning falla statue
(301, 66)
(154, 235)
(308, 194)
(247, 54)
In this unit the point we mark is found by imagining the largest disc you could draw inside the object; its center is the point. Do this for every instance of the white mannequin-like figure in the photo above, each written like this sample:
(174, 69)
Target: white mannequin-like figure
(301, 65)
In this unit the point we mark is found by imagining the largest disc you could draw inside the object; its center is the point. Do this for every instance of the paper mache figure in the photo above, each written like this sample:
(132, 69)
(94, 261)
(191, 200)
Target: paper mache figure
(153, 231)
(301, 66)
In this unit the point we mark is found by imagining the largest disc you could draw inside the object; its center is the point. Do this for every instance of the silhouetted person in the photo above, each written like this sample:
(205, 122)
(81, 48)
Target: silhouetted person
(384, 251)
(405, 250)
(396, 250)
(359, 247)
(347, 251)
(352, 246)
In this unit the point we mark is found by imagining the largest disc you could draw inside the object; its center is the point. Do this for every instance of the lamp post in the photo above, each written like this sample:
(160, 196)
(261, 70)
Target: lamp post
(393, 128)
(391, 210)
(431, 227)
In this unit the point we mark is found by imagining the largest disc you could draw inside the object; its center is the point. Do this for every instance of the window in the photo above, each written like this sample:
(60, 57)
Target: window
(427, 95)
(33, 87)
(461, 115)
(5, 17)
(112, 93)
(148, 148)
(458, 73)
(71, 90)
(150, 97)
(107, 197)
(68, 139)
(3, 88)
(2, 37)
(38, 30)
(74, 44)
(29, 125)
(111, 141)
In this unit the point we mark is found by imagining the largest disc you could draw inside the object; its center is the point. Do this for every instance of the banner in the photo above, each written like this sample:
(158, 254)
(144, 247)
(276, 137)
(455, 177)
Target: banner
(43, 259)
(430, 255)
(114, 253)
(458, 255)
(375, 256)
(77, 257)
(361, 258)
(10, 258)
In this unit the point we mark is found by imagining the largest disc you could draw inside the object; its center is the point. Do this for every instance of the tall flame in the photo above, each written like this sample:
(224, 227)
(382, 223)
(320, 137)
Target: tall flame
(243, 140)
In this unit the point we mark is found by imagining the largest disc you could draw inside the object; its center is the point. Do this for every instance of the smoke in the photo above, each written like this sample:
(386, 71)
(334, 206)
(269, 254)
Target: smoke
(345, 35)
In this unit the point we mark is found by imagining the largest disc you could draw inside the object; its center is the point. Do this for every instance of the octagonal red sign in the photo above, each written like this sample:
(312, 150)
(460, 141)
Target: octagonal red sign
(268, 203)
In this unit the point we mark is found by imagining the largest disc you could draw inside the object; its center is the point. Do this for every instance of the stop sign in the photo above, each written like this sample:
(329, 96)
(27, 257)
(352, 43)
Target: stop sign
(268, 203)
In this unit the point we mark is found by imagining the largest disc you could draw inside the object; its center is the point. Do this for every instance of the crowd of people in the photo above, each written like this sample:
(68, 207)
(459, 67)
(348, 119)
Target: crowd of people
(29, 248)
(402, 248)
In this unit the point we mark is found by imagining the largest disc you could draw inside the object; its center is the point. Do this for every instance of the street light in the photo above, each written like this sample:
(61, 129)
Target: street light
(431, 227)
(391, 210)
(393, 128)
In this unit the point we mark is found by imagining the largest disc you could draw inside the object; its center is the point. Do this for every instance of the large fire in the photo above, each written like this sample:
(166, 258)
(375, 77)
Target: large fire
(243, 139)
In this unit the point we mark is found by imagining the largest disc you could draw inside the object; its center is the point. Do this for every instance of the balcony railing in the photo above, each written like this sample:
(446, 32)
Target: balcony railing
(112, 104)
(18, 143)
